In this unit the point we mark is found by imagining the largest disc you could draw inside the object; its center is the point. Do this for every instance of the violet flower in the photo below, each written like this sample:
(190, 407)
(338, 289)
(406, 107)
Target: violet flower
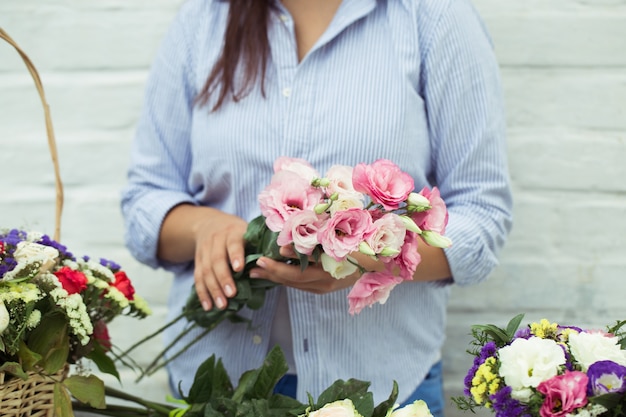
(606, 377)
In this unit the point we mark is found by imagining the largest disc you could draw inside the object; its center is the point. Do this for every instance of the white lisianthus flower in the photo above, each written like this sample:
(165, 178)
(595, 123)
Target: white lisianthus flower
(345, 202)
(526, 363)
(337, 270)
(342, 408)
(416, 409)
(4, 317)
(27, 252)
(590, 347)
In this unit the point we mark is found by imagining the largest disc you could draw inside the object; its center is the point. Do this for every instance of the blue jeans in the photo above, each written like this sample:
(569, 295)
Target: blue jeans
(430, 390)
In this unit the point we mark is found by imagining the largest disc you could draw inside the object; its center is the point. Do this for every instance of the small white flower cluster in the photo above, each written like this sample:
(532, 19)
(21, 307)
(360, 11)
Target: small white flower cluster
(76, 312)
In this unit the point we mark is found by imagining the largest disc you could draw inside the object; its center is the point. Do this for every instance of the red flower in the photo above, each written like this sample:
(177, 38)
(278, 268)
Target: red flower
(1, 247)
(123, 284)
(101, 335)
(72, 281)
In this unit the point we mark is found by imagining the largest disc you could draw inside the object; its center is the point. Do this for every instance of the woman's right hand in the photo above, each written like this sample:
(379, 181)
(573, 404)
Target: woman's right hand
(214, 240)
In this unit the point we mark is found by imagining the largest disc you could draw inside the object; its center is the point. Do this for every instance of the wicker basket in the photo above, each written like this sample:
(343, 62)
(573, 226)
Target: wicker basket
(34, 396)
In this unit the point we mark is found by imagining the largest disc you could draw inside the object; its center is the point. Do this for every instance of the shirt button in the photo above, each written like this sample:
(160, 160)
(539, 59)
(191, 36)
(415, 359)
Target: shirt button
(256, 339)
(283, 17)
(287, 92)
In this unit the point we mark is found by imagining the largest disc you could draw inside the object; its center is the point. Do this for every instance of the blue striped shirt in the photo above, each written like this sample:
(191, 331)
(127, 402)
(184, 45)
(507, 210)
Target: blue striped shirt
(413, 81)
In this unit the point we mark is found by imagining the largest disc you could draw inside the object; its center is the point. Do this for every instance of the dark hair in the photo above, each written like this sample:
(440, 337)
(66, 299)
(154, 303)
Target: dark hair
(246, 42)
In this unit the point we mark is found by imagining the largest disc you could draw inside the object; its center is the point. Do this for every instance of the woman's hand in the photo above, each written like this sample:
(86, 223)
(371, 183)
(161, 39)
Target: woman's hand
(313, 279)
(214, 240)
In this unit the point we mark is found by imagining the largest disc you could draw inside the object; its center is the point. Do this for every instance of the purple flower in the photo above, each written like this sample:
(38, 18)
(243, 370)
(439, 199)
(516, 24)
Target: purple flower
(505, 406)
(487, 351)
(110, 264)
(523, 333)
(605, 377)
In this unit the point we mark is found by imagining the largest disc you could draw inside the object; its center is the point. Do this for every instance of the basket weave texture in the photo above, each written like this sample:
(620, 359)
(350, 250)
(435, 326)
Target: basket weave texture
(33, 397)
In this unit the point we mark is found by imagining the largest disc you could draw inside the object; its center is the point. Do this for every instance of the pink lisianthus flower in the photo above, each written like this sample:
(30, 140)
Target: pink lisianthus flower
(388, 235)
(371, 288)
(409, 257)
(436, 218)
(563, 393)
(344, 232)
(296, 165)
(384, 182)
(288, 193)
(301, 229)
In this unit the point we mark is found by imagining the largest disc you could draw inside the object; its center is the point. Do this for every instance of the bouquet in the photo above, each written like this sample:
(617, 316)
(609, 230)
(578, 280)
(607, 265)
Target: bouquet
(369, 209)
(548, 370)
(213, 394)
(54, 311)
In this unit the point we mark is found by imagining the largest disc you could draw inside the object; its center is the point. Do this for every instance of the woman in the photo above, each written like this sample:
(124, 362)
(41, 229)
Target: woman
(237, 84)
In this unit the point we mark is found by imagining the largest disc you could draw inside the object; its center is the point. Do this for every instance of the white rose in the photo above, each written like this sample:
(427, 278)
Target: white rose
(27, 252)
(417, 409)
(337, 269)
(342, 408)
(528, 362)
(588, 348)
(4, 317)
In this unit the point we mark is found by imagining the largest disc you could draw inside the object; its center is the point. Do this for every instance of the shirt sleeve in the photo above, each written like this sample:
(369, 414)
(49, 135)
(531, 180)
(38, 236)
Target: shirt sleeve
(161, 151)
(462, 90)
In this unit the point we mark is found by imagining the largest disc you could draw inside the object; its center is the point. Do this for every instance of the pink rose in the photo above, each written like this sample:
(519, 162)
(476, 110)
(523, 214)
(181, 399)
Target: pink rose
(384, 182)
(287, 194)
(371, 288)
(436, 218)
(301, 230)
(388, 235)
(409, 257)
(71, 280)
(563, 393)
(344, 232)
(296, 165)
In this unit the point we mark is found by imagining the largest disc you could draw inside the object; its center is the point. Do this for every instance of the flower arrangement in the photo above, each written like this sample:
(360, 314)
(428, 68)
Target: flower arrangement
(213, 394)
(370, 209)
(54, 311)
(548, 370)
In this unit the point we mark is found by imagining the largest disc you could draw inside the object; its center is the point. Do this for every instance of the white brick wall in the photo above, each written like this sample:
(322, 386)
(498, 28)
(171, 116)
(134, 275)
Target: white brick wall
(564, 72)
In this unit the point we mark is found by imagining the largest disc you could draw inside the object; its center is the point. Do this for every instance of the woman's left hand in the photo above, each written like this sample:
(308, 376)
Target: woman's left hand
(313, 279)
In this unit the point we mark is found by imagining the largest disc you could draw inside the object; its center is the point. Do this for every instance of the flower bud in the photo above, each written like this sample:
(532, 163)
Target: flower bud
(366, 249)
(417, 203)
(322, 207)
(389, 252)
(410, 224)
(320, 182)
(435, 239)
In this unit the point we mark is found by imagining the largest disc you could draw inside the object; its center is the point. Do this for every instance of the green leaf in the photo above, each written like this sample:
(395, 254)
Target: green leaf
(498, 335)
(273, 368)
(28, 358)
(282, 405)
(513, 325)
(87, 389)
(103, 361)
(51, 340)
(211, 381)
(255, 231)
(14, 369)
(364, 403)
(246, 384)
(341, 389)
(382, 408)
(257, 299)
(243, 290)
(62, 401)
